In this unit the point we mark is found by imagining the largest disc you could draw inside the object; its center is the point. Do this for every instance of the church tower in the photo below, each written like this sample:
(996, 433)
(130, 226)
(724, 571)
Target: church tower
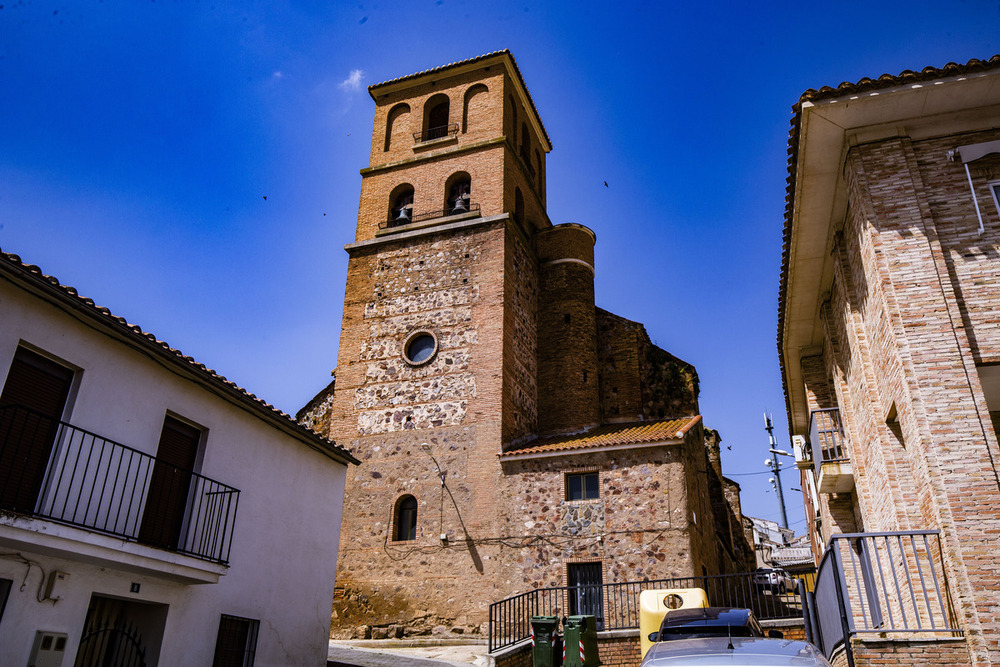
(437, 368)
(512, 436)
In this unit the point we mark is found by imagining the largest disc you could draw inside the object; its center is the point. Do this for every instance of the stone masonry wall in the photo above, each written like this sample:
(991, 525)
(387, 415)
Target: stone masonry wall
(386, 411)
(639, 527)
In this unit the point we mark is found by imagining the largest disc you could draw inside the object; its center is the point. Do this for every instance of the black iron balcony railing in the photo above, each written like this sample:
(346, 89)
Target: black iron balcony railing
(439, 132)
(616, 605)
(886, 583)
(826, 436)
(399, 221)
(53, 470)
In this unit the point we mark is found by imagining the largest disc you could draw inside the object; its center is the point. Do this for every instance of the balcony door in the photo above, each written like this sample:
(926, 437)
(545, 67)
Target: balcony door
(31, 405)
(167, 498)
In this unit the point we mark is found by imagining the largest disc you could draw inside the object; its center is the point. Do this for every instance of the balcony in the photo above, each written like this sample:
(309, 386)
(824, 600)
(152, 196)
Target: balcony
(466, 210)
(435, 133)
(829, 446)
(55, 471)
(880, 585)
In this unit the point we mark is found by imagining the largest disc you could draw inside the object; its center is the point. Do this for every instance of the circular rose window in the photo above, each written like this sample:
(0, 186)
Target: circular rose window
(419, 348)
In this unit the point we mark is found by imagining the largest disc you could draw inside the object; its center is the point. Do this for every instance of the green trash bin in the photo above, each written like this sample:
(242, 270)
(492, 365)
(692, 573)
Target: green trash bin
(543, 641)
(580, 642)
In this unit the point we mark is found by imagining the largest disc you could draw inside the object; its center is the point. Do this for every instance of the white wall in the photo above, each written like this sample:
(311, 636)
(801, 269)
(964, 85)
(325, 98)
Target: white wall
(284, 549)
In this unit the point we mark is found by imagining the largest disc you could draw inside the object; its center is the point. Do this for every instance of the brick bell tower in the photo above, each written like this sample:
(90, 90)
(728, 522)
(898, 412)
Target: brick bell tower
(437, 368)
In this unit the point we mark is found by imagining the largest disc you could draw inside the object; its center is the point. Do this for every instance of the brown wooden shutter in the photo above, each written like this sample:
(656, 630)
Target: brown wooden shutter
(31, 404)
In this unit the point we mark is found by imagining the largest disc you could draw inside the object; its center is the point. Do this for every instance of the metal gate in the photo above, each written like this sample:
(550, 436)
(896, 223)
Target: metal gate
(586, 581)
(109, 639)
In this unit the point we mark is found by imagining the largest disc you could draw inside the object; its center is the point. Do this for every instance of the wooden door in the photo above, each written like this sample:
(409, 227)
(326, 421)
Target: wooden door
(167, 498)
(31, 405)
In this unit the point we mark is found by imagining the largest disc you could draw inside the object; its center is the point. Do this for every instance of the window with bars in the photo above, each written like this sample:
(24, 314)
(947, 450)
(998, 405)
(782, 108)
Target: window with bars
(236, 645)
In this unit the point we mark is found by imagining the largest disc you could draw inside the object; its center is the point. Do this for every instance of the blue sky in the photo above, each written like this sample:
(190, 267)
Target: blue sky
(139, 139)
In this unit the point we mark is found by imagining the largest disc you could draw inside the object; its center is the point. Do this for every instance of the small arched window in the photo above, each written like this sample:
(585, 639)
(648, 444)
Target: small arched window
(525, 143)
(458, 190)
(475, 96)
(518, 206)
(401, 204)
(394, 124)
(405, 522)
(436, 117)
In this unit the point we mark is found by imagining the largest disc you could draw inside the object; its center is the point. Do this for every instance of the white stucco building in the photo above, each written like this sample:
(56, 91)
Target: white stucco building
(149, 505)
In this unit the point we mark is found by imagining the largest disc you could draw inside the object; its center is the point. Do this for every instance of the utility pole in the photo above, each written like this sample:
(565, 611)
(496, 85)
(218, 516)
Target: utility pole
(775, 466)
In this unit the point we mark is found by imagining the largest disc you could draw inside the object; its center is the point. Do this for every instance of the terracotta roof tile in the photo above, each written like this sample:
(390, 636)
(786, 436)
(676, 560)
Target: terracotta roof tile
(12, 264)
(608, 435)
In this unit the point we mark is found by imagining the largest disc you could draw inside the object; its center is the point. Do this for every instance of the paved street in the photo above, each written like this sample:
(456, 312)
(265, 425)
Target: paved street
(418, 653)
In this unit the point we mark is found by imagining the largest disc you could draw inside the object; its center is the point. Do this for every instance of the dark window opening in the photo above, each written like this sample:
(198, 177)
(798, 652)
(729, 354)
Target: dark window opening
(236, 645)
(566, 318)
(405, 525)
(518, 206)
(437, 120)
(583, 486)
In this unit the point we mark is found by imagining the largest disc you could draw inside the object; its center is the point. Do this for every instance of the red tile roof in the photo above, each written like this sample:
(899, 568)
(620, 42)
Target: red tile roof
(30, 274)
(618, 436)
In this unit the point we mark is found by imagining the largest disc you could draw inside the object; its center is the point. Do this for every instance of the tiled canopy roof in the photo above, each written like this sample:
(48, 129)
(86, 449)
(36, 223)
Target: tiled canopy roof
(608, 436)
(907, 77)
(68, 297)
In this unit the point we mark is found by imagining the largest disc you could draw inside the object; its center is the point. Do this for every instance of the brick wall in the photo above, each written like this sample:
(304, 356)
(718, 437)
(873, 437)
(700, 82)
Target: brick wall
(913, 308)
(567, 345)
(946, 652)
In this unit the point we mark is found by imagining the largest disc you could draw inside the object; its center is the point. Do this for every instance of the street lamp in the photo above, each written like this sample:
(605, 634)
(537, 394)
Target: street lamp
(775, 467)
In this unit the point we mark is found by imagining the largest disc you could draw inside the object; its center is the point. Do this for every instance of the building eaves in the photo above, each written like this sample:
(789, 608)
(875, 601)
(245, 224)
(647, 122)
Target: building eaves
(67, 297)
(462, 63)
(607, 436)
(865, 85)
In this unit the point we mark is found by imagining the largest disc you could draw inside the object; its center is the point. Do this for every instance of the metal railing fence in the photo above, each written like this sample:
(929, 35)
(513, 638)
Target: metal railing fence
(429, 215)
(510, 619)
(826, 436)
(54, 470)
(439, 132)
(892, 582)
